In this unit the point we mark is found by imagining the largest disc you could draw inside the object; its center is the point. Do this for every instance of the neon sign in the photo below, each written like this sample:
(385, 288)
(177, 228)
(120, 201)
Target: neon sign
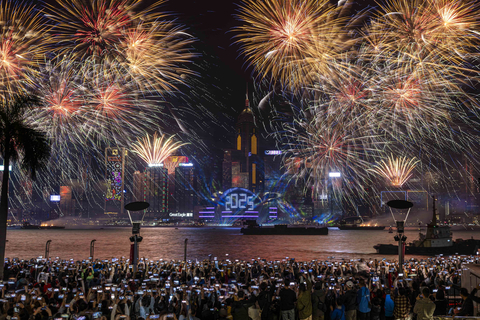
(273, 152)
(237, 202)
(188, 164)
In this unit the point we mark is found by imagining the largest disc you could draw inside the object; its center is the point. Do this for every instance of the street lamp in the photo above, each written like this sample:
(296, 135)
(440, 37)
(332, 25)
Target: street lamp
(136, 238)
(400, 237)
(333, 174)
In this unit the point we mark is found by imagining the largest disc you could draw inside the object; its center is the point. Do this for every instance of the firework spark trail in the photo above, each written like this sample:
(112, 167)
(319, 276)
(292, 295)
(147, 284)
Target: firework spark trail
(313, 148)
(125, 39)
(156, 150)
(406, 79)
(24, 41)
(396, 169)
(293, 41)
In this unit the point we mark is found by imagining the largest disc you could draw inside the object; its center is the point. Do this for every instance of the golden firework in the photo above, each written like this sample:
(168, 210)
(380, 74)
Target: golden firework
(155, 151)
(396, 170)
(23, 43)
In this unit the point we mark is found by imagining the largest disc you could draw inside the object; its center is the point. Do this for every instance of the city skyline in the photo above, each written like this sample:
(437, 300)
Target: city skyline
(332, 87)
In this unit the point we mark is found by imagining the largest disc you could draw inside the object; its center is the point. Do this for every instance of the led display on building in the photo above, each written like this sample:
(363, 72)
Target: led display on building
(239, 203)
(114, 178)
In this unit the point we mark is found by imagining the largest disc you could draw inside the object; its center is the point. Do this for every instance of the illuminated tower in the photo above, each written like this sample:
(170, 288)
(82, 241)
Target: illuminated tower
(156, 191)
(138, 186)
(115, 161)
(185, 186)
(247, 168)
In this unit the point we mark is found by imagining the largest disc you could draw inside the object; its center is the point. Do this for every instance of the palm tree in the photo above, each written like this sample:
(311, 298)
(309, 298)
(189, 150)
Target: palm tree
(20, 142)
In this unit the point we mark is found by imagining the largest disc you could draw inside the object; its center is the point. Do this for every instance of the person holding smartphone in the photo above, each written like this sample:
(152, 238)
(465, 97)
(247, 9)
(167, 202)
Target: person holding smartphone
(287, 301)
(304, 301)
(424, 307)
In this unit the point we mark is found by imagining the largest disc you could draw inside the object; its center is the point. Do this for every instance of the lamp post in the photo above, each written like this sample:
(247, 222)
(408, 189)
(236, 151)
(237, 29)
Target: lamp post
(400, 237)
(331, 175)
(136, 238)
(92, 248)
(47, 249)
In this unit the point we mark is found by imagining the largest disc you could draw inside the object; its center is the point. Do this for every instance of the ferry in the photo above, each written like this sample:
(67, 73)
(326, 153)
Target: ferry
(437, 240)
(252, 228)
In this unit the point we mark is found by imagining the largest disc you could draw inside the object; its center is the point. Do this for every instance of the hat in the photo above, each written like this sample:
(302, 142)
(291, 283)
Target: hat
(350, 284)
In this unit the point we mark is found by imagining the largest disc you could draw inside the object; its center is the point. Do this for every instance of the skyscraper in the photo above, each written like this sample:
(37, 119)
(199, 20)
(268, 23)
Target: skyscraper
(244, 164)
(156, 191)
(115, 162)
(138, 186)
(185, 186)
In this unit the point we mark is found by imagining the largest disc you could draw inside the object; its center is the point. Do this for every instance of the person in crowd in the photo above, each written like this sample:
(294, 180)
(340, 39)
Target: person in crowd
(350, 301)
(363, 301)
(424, 306)
(466, 310)
(440, 303)
(288, 297)
(240, 306)
(338, 312)
(389, 305)
(402, 307)
(318, 301)
(304, 301)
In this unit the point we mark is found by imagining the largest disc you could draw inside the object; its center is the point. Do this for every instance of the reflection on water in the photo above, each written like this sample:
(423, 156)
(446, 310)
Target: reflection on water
(167, 243)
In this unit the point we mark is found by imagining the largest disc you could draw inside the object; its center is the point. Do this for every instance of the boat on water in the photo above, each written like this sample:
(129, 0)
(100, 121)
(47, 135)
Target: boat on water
(360, 227)
(27, 225)
(437, 240)
(357, 223)
(252, 228)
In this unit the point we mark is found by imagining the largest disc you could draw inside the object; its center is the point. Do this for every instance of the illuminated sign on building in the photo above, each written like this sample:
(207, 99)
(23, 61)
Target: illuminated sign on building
(273, 152)
(334, 174)
(239, 203)
(181, 215)
(189, 164)
(155, 165)
(115, 159)
(55, 198)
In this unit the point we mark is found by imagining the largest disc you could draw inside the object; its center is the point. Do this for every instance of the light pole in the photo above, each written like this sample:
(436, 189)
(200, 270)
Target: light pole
(331, 175)
(136, 238)
(47, 249)
(92, 248)
(400, 237)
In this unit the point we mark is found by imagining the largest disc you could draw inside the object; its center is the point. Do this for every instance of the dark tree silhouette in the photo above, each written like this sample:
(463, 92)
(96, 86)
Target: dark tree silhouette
(20, 142)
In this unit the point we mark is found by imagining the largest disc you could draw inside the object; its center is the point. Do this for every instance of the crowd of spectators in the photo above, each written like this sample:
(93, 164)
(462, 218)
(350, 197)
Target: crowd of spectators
(40, 289)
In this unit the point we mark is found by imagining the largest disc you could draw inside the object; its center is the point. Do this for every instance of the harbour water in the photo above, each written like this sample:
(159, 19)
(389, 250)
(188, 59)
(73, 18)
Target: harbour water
(168, 243)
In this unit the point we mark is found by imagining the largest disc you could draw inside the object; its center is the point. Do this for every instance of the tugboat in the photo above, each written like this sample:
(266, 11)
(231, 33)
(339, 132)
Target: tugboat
(252, 228)
(437, 240)
(352, 224)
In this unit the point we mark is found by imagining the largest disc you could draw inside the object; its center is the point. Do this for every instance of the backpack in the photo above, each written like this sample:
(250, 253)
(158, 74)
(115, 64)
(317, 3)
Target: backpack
(365, 298)
(321, 306)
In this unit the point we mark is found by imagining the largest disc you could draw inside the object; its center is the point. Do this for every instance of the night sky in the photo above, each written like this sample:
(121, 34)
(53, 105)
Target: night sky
(211, 103)
(224, 71)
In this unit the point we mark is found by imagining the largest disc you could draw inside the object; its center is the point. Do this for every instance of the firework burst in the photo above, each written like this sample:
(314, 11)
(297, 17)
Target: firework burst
(23, 43)
(314, 148)
(156, 150)
(125, 39)
(292, 41)
(396, 170)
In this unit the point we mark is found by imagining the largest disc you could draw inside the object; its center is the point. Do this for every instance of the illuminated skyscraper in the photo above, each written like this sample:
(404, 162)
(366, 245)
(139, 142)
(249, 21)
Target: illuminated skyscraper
(156, 191)
(138, 186)
(185, 186)
(115, 162)
(244, 164)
